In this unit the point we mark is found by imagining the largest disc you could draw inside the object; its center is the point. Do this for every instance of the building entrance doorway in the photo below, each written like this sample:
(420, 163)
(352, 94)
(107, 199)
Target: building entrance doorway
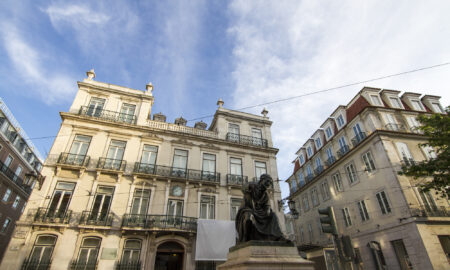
(169, 256)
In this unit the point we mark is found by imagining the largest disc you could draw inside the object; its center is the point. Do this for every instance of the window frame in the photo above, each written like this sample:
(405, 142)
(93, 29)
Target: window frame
(370, 162)
(383, 202)
(352, 176)
(337, 176)
(210, 206)
(347, 217)
(362, 207)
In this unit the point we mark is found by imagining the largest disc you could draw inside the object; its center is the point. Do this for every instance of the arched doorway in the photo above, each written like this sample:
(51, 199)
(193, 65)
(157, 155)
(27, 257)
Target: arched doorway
(169, 256)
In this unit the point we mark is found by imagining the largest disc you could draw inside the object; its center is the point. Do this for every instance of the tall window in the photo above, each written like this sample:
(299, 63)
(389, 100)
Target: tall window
(302, 159)
(325, 190)
(207, 207)
(7, 162)
(96, 106)
(16, 202)
(131, 251)
(429, 152)
(209, 165)
(78, 150)
(180, 159)
(115, 155)
(293, 185)
(318, 143)
(395, 102)
(306, 202)
(417, 105)
(342, 142)
(149, 153)
(363, 210)
(318, 164)
(42, 252)
(337, 181)
(328, 132)
(402, 254)
(102, 202)
(233, 128)
(329, 152)
(413, 123)
(404, 153)
(235, 205)
(256, 136)
(346, 216)
(309, 170)
(314, 197)
(61, 199)
(140, 202)
(368, 161)
(383, 202)
(6, 195)
(437, 107)
(428, 201)
(309, 150)
(87, 258)
(357, 131)
(351, 173)
(375, 100)
(236, 166)
(5, 225)
(175, 208)
(127, 113)
(340, 120)
(17, 173)
(260, 169)
(301, 178)
(310, 232)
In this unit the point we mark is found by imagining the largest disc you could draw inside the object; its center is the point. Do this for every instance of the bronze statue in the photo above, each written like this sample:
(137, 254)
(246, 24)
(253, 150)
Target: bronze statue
(255, 219)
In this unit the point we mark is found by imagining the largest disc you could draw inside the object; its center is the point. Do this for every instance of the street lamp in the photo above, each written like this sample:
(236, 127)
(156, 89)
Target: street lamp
(294, 211)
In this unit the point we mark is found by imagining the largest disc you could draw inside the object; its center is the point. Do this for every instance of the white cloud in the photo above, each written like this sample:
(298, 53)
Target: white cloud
(50, 85)
(293, 47)
(77, 15)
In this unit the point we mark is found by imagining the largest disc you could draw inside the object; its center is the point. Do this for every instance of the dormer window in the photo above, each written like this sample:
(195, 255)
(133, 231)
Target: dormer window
(340, 121)
(375, 100)
(309, 150)
(437, 107)
(318, 143)
(302, 159)
(417, 105)
(328, 132)
(395, 102)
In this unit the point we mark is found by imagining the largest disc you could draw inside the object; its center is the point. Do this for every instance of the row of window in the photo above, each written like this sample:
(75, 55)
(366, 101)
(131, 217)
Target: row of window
(396, 103)
(235, 129)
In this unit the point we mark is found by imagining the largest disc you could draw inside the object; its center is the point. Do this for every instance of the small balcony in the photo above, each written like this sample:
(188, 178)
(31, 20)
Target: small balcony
(160, 222)
(73, 159)
(246, 140)
(395, 127)
(128, 265)
(236, 179)
(342, 151)
(108, 115)
(330, 161)
(13, 177)
(46, 215)
(190, 174)
(111, 164)
(431, 211)
(309, 177)
(76, 265)
(36, 264)
(318, 169)
(96, 219)
(358, 138)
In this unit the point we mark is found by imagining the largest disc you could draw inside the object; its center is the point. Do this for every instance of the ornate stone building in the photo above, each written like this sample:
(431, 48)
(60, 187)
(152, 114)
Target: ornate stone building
(126, 191)
(351, 163)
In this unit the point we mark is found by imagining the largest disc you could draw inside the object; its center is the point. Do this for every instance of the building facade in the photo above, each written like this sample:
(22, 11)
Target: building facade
(351, 163)
(20, 166)
(126, 191)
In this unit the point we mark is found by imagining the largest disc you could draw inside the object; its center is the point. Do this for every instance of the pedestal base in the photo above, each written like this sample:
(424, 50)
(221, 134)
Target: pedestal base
(262, 255)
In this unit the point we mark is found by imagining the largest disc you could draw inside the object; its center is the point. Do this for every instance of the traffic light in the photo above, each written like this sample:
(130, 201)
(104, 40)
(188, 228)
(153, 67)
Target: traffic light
(328, 222)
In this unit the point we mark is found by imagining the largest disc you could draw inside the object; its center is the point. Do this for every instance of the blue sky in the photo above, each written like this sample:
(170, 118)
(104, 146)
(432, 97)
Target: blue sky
(246, 52)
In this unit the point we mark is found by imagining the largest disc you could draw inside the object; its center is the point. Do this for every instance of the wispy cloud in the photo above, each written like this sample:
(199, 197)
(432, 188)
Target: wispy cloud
(50, 85)
(293, 47)
(77, 15)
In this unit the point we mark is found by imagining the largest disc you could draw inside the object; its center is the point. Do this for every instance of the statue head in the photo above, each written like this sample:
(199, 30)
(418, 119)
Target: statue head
(266, 180)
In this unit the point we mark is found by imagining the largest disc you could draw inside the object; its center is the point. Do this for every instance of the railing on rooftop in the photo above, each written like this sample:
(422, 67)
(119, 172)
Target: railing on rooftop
(236, 179)
(430, 211)
(128, 265)
(342, 151)
(160, 222)
(358, 138)
(13, 177)
(395, 127)
(108, 115)
(36, 264)
(111, 164)
(183, 129)
(46, 215)
(74, 159)
(246, 140)
(167, 171)
(96, 218)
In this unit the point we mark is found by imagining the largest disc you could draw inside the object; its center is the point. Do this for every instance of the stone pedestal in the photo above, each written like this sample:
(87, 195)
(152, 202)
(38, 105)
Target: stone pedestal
(262, 255)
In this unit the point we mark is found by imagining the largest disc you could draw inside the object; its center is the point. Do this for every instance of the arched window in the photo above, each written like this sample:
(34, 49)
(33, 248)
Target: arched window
(87, 257)
(131, 251)
(41, 254)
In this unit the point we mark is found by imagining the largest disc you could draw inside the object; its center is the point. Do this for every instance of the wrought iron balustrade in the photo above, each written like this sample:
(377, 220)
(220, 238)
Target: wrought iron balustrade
(13, 177)
(343, 150)
(318, 169)
(36, 264)
(128, 265)
(76, 265)
(358, 138)
(236, 179)
(309, 177)
(47, 215)
(246, 140)
(430, 211)
(395, 127)
(184, 173)
(111, 164)
(96, 218)
(108, 115)
(330, 161)
(74, 159)
(159, 222)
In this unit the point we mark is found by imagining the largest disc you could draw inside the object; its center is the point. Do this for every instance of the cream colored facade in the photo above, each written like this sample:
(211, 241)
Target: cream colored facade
(124, 190)
(361, 148)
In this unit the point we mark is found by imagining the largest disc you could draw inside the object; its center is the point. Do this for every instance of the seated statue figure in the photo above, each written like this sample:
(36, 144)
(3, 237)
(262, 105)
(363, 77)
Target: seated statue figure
(255, 219)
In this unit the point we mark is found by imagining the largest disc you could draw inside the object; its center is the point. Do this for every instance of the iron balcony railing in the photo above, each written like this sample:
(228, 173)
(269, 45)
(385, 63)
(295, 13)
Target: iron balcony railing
(11, 135)
(330, 161)
(309, 177)
(184, 173)
(111, 164)
(13, 177)
(74, 159)
(430, 211)
(236, 179)
(108, 115)
(318, 169)
(76, 265)
(160, 222)
(128, 265)
(36, 264)
(246, 140)
(343, 150)
(95, 218)
(46, 215)
(395, 127)
(358, 138)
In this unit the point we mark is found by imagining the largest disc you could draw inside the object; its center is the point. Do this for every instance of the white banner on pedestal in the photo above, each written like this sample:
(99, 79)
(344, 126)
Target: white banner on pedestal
(214, 238)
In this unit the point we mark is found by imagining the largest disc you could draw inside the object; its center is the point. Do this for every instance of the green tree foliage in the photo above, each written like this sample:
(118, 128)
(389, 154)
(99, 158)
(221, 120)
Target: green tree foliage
(437, 128)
